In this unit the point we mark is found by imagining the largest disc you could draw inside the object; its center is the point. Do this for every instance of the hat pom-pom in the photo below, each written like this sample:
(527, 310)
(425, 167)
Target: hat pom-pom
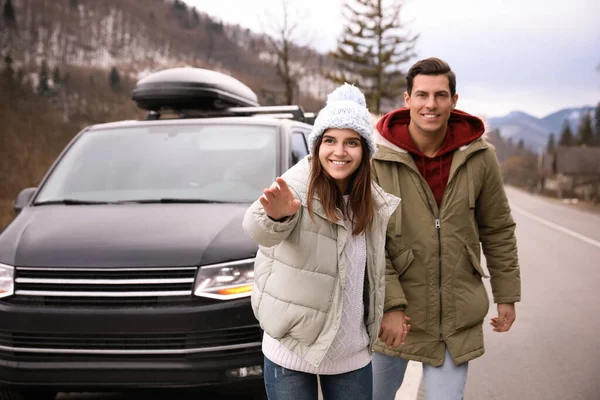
(347, 92)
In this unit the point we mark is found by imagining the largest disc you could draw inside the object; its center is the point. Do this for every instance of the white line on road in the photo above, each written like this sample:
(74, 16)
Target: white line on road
(556, 226)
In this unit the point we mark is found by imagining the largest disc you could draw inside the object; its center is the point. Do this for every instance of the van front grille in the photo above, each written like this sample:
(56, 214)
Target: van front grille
(134, 287)
(212, 341)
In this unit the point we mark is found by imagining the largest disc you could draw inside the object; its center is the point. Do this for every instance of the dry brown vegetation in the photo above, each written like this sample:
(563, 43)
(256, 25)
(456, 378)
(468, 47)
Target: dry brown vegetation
(35, 128)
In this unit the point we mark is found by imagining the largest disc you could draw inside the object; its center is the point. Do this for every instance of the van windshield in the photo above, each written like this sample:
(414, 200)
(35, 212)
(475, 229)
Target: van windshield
(208, 163)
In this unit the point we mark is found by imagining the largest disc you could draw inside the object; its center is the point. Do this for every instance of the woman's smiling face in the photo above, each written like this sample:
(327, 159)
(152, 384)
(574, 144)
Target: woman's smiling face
(340, 154)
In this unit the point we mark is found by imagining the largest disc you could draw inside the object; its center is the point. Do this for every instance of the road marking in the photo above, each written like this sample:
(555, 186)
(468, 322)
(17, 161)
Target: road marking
(557, 227)
(411, 383)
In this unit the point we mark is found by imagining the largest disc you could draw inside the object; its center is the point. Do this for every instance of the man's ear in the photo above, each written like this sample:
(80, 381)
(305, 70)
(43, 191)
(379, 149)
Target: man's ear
(454, 100)
(406, 99)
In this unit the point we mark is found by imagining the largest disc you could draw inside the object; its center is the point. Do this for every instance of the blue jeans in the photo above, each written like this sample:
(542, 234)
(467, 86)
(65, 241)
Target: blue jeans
(446, 382)
(285, 384)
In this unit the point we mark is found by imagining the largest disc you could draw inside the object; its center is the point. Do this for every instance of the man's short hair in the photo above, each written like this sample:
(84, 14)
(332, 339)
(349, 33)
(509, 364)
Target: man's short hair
(431, 66)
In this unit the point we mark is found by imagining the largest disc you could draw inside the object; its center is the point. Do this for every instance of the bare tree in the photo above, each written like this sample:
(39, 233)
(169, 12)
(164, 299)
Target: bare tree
(285, 41)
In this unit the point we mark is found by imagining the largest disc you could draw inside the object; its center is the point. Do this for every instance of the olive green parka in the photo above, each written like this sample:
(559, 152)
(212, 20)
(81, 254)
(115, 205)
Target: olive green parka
(433, 253)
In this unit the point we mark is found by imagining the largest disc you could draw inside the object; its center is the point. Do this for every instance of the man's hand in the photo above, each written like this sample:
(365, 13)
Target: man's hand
(506, 317)
(278, 201)
(394, 328)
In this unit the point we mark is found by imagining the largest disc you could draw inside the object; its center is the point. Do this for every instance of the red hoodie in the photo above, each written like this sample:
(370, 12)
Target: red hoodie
(463, 128)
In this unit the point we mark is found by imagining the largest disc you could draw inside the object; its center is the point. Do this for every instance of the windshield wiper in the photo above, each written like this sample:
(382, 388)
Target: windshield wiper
(172, 200)
(69, 202)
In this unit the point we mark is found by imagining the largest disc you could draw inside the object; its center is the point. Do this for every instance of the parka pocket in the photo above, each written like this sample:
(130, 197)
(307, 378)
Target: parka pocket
(471, 302)
(402, 261)
(413, 279)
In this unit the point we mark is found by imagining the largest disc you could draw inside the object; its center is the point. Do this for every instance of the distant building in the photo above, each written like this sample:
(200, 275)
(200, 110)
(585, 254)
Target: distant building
(572, 171)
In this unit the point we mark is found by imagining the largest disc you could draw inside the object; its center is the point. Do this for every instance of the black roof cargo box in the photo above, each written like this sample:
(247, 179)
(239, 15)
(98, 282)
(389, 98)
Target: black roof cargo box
(191, 89)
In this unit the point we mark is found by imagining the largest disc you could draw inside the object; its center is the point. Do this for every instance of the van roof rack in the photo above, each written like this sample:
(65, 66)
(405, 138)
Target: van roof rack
(293, 112)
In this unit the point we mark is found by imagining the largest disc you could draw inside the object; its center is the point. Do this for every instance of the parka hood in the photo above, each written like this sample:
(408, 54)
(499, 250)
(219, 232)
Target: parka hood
(463, 128)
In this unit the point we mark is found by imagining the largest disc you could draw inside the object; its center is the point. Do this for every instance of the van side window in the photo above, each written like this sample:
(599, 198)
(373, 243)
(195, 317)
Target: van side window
(299, 148)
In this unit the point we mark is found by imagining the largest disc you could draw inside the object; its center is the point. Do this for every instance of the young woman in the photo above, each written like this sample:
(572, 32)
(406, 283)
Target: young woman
(319, 272)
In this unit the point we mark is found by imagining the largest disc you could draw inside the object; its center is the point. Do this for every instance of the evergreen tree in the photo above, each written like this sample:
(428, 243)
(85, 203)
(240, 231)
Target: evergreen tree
(551, 144)
(372, 48)
(9, 34)
(56, 78)
(8, 72)
(597, 125)
(43, 88)
(8, 14)
(195, 18)
(566, 136)
(179, 5)
(585, 134)
(114, 79)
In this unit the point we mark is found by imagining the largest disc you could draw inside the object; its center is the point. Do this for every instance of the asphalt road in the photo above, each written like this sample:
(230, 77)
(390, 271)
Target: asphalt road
(553, 350)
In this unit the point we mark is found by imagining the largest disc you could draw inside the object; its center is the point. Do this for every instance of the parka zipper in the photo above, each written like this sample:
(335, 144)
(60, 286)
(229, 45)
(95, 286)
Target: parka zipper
(437, 228)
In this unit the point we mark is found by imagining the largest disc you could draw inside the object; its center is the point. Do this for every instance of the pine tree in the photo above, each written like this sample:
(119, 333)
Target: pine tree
(585, 134)
(551, 144)
(8, 14)
(8, 72)
(9, 34)
(179, 5)
(114, 79)
(566, 136)
(597, 126)
(56, 78)
(372, 48)
(195, 18)
(43, 87)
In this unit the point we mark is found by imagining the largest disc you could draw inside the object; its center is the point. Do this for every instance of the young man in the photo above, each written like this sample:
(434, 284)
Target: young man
(432, 156)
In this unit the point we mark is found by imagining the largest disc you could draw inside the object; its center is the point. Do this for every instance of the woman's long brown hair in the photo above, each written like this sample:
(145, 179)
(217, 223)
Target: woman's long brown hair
(323, 186)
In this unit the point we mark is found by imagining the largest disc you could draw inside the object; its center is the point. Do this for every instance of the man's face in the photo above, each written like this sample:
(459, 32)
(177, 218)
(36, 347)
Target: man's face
(430, 104)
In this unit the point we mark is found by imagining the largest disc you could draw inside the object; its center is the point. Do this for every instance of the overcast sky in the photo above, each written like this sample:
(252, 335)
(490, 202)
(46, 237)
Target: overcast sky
(536, 56)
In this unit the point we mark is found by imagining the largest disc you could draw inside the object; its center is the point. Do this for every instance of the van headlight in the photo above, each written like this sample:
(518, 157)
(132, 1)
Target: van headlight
(225, 281)
(7, 280)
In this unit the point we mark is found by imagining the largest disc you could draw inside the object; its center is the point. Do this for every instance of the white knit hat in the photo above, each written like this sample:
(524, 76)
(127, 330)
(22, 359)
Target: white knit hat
(346, 108)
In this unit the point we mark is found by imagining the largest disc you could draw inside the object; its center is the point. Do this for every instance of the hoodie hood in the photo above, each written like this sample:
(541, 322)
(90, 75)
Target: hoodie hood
(463, 128)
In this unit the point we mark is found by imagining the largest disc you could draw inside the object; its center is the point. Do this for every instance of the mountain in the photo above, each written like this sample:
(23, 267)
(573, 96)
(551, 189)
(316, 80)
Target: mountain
(554, 122)
(534, 132)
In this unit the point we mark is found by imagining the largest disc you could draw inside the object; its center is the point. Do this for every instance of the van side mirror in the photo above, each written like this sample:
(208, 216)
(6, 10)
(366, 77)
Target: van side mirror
(23, 199)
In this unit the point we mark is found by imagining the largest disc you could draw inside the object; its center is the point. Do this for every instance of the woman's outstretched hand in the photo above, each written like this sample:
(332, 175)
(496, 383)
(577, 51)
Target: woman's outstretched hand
(278, 201)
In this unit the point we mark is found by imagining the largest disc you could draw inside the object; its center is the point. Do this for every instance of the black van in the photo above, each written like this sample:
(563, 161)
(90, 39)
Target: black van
(127, 267)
